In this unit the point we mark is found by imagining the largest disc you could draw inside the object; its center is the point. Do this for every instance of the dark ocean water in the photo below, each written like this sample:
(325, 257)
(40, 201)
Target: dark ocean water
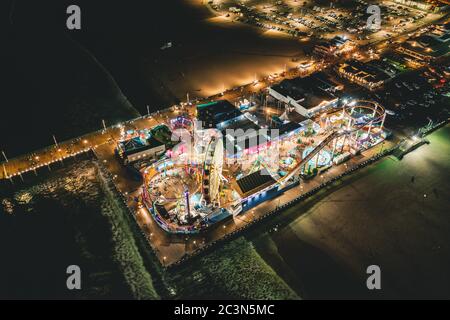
(51, 84)
(53, 221)
(65, 82)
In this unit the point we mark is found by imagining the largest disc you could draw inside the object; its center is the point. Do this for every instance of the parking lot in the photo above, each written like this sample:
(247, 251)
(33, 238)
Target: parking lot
(413, 99)
(323, 20)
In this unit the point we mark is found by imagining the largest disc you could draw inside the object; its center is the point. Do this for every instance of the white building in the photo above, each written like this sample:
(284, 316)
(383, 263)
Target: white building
(307, 95)
(137, 149)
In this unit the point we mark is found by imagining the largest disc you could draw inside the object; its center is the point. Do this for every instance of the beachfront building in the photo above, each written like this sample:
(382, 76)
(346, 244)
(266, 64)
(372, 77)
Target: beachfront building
(430, 46)
(429, 6)
(333, 47)
(217, 114)
(369, 75)
(140, 148)
(308, 95)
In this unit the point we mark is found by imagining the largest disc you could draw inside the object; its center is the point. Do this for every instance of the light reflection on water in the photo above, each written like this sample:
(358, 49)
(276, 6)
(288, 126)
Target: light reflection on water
(8, 206)
(56, 220)
(63, 185)
(24, 197)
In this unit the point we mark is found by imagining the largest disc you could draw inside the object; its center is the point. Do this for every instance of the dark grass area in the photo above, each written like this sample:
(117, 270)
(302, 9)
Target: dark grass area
(234, 271)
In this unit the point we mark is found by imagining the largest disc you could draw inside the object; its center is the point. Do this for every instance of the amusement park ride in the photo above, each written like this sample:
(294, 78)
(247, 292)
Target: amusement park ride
(195, 185)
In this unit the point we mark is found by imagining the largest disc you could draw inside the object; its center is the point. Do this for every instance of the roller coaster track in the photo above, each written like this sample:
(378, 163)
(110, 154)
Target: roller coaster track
(333, 135)
(316, 150)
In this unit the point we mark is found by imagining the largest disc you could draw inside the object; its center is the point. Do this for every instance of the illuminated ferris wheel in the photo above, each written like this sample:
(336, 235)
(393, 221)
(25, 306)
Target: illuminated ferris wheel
(212, 170)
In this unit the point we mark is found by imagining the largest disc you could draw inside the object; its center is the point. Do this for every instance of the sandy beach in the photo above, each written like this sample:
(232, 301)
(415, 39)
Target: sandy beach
(208, 53)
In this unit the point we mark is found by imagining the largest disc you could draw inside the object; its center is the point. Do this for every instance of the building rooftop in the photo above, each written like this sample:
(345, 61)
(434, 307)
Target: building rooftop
(326, 82)
(432, 45)
(294, 116)
(216, 112)
(288, 127)
(237, 144)
(255, 182)
(138, 144)
(309, 91)
(338, 41)
(240, 123)
(370, 71)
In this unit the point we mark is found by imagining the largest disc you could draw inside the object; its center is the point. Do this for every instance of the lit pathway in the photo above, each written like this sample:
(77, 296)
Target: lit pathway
(57, 153)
